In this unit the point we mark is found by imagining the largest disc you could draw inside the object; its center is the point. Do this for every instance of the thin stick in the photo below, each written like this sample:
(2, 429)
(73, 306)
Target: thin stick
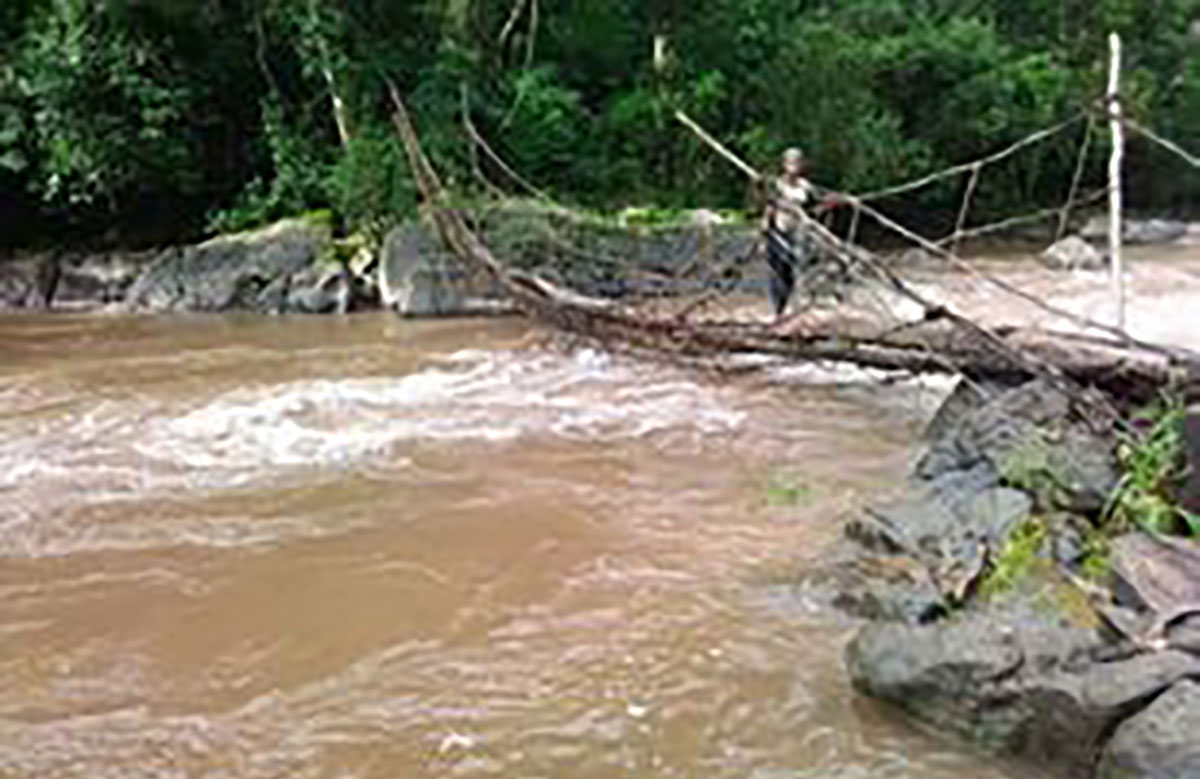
(531, 44)
(1064, 215)
(511, 24)
(1114, 179)
(475, 136)
(852, 233)
(719, 147)
(965, 209)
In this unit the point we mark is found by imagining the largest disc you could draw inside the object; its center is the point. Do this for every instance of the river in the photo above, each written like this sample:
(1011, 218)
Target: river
(365, 548)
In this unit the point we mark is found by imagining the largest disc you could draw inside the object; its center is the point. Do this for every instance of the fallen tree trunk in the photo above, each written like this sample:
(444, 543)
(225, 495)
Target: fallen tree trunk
(945, 342)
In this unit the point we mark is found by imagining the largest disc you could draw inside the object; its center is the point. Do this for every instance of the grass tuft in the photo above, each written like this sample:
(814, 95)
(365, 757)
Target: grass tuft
(1152, 460)
(1019, 557)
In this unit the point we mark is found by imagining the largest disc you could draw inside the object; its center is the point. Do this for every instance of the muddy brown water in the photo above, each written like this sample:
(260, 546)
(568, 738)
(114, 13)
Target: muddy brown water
(367, 548)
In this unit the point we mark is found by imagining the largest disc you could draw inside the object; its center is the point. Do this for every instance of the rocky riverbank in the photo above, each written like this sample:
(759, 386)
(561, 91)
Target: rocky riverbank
(1000, 612)
(296, 266)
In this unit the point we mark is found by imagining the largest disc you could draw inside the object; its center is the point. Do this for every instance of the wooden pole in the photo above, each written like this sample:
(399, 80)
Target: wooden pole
(1114, 179)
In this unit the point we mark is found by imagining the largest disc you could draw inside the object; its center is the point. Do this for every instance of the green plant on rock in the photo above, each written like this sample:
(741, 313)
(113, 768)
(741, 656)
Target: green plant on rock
(1152, 461)
(1032, 467)
(1097, 557)
(1027, 466)
(1016, 560)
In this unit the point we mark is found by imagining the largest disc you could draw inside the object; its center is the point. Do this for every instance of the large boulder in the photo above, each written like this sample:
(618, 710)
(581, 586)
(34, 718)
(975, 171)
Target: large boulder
(598, 258)
(1039, 691)
(418, 277)
(884, 587)
(18, 282)
(1162, 742)
(1073, 253)
(1026, 437)
(99, 279)
(952, 526)
(248, 271)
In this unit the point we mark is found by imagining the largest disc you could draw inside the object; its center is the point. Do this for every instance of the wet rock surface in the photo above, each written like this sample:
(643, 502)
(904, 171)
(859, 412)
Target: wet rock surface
(244, 271)
(1073, 253)
(1161, 742)
(295, 266)
(90, 279)
(1039, 691)
(283, 268)
(1025, 436)
(420, 278)
(1056, 671)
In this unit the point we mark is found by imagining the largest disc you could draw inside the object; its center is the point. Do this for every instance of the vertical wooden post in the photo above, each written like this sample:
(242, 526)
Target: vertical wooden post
(1114, 178)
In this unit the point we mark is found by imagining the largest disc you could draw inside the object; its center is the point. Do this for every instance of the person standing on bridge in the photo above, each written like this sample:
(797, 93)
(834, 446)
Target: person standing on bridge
(789, 250)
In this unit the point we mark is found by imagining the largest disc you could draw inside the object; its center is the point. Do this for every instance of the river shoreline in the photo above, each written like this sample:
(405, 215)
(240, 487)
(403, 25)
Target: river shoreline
(981, 621)
(297, 266)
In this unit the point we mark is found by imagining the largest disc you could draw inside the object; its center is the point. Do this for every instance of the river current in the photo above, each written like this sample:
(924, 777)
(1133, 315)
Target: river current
(365, 548)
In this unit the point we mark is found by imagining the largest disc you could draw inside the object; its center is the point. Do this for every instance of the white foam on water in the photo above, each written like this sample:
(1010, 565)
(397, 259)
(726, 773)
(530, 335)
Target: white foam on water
(487, 396)
(55, 469)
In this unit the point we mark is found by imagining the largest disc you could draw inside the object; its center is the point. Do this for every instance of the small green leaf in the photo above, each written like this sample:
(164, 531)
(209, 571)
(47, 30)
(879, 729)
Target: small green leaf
(12, 160)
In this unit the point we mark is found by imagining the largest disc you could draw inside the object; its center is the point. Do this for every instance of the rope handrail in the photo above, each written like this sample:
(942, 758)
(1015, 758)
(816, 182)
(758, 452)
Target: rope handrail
(935, 247)
(967, 167)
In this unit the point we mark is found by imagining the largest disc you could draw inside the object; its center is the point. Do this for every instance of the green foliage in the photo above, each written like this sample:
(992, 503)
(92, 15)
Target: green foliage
(103, 110)
(1027, 466)
(1020, 556)
(1152, 460)
(370, 185)
(1097, 557)
(196, 110)
(299, 179)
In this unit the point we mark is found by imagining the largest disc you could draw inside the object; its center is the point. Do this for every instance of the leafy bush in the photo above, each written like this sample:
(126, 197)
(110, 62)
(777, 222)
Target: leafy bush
(1152, 459)
(300, 179)
(370, 185)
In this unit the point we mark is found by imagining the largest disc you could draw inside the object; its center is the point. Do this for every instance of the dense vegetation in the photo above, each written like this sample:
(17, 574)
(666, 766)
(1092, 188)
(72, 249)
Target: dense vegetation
(141, 120)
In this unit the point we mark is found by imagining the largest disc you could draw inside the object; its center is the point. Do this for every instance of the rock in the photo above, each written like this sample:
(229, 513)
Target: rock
(1160, 742)
(916, 257)
(599, 259)
(1154, 231)
(100, 279)
(1158, 575)
(967, 396)
(1073, 253)
(1025, 438)
(1136, 231)
(1068, 538)
(417, 277)
(883, 587)
(320, 291)
(1189, 491)
(243, 271)
(704, 218)
(1016, 687)
(18, 280)
(950, 526)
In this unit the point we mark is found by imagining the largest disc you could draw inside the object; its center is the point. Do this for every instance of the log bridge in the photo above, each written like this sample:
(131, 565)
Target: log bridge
(1126, 370)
